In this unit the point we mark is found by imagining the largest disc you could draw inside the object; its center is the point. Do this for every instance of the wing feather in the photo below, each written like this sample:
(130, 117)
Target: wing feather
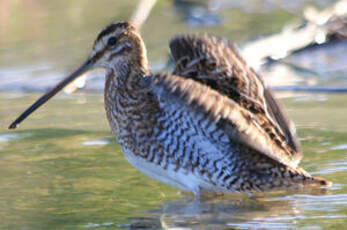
(238, 123)
(216, 63)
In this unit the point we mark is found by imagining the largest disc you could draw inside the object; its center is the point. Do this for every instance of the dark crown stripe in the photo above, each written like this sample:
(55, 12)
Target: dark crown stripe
(111, 28)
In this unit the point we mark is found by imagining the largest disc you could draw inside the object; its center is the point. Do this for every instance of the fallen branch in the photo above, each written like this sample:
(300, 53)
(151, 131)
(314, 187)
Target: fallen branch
(318, 28)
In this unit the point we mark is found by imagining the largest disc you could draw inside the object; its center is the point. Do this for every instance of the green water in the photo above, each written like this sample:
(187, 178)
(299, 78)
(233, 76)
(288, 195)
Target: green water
(62, 169)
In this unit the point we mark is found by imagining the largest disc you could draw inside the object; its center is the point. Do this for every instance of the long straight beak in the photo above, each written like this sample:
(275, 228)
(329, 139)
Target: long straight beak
(53, 91)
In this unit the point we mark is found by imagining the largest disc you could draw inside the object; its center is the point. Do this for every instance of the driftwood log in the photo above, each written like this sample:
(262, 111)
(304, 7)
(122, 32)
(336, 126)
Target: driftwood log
(317, 28)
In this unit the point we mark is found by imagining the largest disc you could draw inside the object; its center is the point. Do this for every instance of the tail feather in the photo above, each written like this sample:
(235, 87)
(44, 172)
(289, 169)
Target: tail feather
(317, 181)
(306, 179)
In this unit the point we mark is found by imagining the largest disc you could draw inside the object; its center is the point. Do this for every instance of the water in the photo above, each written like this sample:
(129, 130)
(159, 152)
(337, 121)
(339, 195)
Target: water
(62, 169)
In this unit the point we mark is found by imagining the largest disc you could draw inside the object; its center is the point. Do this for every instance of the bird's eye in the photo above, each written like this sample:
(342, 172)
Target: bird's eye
(112, 41)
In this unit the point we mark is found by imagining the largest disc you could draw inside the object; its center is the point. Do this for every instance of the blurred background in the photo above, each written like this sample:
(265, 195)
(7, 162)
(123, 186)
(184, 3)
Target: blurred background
(40, 41)
(62, 169)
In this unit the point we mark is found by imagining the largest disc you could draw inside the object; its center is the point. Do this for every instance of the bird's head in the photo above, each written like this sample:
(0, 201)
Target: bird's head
(116, 44)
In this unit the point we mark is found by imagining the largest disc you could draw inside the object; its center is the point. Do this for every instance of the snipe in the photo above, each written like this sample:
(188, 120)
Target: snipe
(211, 125)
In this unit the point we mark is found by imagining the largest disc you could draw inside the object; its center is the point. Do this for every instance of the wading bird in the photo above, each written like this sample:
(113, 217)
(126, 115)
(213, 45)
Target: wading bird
(211, 125)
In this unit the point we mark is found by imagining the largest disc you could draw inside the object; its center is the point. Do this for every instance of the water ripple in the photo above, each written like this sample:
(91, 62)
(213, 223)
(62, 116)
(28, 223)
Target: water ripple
(96, 142)
(339, 147)
(7, 137)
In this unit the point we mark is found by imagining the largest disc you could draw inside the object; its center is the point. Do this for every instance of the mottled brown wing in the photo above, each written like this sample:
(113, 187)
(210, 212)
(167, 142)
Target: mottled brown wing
(216, 63)
(203, 105)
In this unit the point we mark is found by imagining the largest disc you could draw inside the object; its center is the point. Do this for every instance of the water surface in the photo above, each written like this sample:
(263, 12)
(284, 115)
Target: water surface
(62, 169)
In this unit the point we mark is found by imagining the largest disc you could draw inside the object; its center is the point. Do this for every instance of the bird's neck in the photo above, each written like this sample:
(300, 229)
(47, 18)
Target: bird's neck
(126, 100)
(123, 80)
(126, 74)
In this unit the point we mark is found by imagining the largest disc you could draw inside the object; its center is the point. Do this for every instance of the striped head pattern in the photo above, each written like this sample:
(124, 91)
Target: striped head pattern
(116, 43)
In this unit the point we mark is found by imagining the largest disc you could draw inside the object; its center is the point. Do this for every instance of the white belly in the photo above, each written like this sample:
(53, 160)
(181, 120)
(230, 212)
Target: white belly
(180, 179)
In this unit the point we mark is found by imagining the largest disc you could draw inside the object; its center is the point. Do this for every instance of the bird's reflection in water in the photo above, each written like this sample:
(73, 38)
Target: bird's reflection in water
(277, 210)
